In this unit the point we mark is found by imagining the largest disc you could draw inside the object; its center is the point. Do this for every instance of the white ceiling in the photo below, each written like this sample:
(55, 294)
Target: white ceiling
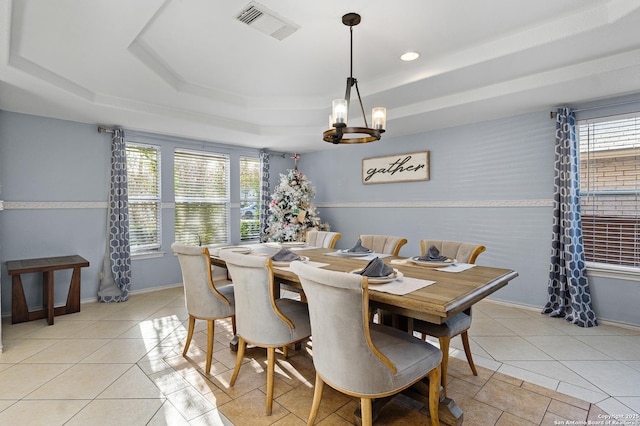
(189, 68)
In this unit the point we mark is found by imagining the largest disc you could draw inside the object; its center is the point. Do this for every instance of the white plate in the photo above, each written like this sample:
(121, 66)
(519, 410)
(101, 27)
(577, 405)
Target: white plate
(304, 259)
(429, 264)
(238, 249)
(352, 254)
(293, 244)
(383, 280)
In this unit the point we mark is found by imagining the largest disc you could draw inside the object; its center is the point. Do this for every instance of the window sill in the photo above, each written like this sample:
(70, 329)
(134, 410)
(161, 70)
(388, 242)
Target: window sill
(147, 255)
(613, 271)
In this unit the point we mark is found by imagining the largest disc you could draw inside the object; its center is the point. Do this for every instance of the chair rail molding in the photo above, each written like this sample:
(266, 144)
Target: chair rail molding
(34, 205)
(44, 205)
(438, 204)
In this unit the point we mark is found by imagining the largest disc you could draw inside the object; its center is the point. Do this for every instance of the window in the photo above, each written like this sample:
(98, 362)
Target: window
(249, 198)
(143, 180)
(201, 184)
(610, 189)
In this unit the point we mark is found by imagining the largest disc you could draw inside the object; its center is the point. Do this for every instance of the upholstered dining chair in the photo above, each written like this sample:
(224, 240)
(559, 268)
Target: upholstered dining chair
(203, 299)
(385, 244)
(324, 239)
(357, 357)
(261, 319)
(460, 323)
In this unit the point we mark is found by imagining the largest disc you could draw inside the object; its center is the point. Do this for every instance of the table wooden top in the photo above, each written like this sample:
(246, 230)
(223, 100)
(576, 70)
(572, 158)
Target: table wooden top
(451, 293)
(42, 264)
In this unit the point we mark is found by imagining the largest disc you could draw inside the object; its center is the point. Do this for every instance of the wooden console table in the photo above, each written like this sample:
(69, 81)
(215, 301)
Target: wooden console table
(47, 265)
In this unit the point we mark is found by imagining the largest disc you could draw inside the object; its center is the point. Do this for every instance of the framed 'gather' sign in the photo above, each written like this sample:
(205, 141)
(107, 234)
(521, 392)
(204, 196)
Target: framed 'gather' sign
(396, 168)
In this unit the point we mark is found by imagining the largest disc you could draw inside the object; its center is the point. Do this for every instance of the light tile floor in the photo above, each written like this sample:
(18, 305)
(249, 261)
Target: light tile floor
(122, 364)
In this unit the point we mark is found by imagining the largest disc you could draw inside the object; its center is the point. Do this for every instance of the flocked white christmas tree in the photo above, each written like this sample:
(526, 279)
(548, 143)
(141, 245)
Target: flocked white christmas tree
(291, 213)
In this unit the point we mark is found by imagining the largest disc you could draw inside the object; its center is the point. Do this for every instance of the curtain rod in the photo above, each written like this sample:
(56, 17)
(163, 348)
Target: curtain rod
(104, 130)
(553, 114)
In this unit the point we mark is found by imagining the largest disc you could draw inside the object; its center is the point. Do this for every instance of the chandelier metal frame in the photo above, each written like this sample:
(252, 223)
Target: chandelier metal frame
(337, 134)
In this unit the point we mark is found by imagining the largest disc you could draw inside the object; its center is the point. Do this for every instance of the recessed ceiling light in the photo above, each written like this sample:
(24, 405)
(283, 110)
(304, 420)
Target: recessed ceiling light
(410, 56)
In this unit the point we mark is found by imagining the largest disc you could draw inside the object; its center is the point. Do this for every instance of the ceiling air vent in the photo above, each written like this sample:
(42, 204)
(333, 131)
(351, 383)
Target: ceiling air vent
(267, 21)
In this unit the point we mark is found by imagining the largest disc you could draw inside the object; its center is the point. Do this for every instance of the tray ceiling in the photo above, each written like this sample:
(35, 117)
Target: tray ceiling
(191, 68)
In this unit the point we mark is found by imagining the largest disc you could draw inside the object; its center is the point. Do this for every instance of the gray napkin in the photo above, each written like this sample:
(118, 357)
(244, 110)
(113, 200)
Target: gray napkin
(433, 255)
(285, 255)
(358, 248)
(376, 268)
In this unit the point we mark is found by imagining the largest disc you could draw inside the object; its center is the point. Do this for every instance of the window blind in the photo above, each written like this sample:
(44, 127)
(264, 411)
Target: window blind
(201, 185)
(250, 176)
(610, 189)
(143, 182)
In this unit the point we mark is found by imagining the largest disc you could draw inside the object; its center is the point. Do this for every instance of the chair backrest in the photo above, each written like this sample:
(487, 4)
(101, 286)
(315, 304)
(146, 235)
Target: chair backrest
(324, 239)
(202, 298)
(386, 244)
(258, 319)
(343, 353)
(462, 252)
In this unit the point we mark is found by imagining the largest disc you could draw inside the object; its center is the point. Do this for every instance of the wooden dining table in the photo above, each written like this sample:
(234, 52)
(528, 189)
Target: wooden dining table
(450, 294)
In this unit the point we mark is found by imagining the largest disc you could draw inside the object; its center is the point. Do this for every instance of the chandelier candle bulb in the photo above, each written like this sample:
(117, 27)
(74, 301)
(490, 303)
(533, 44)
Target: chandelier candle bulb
(379, 118)
(339, 107)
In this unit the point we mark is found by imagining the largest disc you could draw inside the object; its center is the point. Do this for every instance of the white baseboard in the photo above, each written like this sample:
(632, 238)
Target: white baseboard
(532, 308)
(142, 291)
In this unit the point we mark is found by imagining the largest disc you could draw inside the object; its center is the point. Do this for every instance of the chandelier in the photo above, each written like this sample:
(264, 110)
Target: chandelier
(338, 131)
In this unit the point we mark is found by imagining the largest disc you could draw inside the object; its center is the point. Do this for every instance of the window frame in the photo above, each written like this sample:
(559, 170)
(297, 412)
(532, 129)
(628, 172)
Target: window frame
(256, 199)
(149, 249)
(588, 191)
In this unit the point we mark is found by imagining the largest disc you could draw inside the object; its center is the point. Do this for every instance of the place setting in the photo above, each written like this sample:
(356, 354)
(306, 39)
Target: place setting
(235, 249)
(292, 245)
(283, 258)
(357, 251)
(433, 259)
(384, 278)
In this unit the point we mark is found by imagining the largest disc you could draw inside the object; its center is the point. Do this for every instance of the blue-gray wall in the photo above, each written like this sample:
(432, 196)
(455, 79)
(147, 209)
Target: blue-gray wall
(491, 182)
(45, 161)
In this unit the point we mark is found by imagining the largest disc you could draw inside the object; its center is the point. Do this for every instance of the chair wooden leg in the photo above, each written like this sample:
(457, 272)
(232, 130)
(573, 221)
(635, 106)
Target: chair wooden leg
(434, 395)
(239, 357)
(271, 363)
(210, 332)
(467, 351)
(233, 324)
(192, 324)
(444, 347)
(317, 396)
(366, 411)
(285, 351)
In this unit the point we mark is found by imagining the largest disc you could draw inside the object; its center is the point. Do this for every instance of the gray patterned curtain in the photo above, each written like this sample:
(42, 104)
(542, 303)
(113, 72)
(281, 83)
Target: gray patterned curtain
(568, 292)
(116, 271)
(265, 194)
